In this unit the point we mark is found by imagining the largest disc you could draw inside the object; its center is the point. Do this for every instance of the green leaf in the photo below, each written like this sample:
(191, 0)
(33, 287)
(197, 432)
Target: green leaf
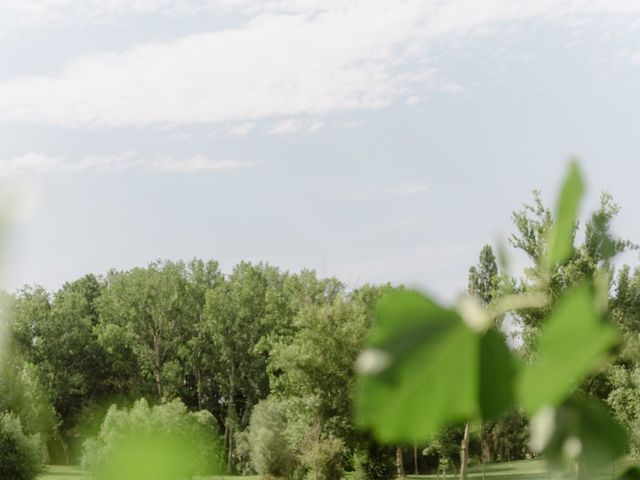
(561, 235)
(431, 379)
(425, 369)
(588, 424)
(572, 342)
(497, 375)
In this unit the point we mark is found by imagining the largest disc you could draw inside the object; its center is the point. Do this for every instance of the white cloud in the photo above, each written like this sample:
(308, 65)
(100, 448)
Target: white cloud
(291, 57)
(18, 14)
(274, 66)
(34, 163)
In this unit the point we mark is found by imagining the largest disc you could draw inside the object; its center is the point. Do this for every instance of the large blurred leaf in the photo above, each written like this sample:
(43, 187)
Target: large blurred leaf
(571, 344)
(586, 426)
(424, 370)
(497, 375)
(561, 235)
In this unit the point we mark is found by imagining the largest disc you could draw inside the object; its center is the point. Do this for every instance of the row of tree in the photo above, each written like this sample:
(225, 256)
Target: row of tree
(182, 330)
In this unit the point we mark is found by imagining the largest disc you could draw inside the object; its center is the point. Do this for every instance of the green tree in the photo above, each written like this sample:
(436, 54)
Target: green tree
(234, 313)
(585, 261)
(22, 393)
(483, 283)
(197, 354)
(144, 316)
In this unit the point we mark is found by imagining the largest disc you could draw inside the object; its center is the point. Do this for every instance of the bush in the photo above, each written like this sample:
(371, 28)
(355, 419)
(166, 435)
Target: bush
(164, 442)
(323, 461)
(270, 453)
(20, 457)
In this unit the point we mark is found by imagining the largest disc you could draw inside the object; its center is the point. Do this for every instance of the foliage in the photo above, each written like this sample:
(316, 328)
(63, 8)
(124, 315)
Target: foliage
(322, 460)
(21, 391)
(19, 454)
(317, 363)
(588, 262)
(406, 392)
(270, 452)
(506, 438)
(415, 350)
(163, 442)
(146, 310)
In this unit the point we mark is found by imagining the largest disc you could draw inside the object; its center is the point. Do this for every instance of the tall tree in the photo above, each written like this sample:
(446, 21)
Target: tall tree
(589, 259)
(483, 283)
(197, 354)
(235, 313)
(145, 311)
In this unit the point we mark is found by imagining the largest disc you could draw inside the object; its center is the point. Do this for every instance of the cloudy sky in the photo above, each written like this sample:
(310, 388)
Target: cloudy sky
(377, 140)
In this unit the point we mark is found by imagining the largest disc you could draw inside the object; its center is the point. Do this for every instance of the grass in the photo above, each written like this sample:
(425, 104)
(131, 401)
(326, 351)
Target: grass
(521, 470)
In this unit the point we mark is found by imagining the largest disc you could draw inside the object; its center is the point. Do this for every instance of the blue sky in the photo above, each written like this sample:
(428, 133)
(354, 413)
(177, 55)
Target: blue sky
(379, 140)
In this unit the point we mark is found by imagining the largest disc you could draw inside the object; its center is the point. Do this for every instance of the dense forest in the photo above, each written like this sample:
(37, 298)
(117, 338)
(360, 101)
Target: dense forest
(271, 355)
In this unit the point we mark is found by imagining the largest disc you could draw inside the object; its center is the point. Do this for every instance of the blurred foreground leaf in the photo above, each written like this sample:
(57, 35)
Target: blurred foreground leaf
(423, 370)
(572, 342)
(585, 431)
(498, 370)
(561, 235)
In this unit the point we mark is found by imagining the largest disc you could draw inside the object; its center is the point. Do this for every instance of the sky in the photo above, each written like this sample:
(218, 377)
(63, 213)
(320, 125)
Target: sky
(377, 140)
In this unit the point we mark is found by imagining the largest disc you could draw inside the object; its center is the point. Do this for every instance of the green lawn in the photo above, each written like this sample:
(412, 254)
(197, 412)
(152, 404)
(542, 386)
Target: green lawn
(522, 470)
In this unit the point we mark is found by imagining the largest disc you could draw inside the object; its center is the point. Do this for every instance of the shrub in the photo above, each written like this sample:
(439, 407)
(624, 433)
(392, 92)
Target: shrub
(270, 453)
(20, 456)
(164, 442)
(323, 461)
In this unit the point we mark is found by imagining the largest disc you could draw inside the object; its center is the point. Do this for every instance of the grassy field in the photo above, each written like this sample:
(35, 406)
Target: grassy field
(522, 470)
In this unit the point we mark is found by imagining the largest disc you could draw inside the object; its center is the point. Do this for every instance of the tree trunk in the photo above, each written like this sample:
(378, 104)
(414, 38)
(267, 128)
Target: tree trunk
(159, 389)
(483, 447)
(65, 451)
(198, 375)
(415, 459)
(400, 463)
(157, 368)
(230, 464)
(464, 453)
(231, 417)
(46, 455)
